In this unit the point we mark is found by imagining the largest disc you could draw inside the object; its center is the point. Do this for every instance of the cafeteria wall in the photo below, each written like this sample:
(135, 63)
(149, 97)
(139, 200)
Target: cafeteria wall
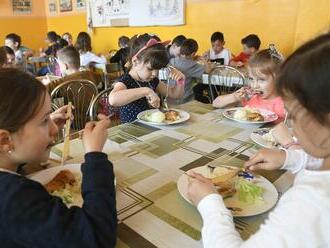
(287, 23)
(31, 27)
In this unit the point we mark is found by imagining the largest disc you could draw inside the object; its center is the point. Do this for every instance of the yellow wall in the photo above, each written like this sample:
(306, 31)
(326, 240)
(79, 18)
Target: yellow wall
(286, 23)
(31, 27)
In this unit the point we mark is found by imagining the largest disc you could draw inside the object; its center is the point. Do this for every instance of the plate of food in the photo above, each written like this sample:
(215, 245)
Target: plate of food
(243, 195)
(62, 181)
(263, 137)
(169, 117)
(250, 115)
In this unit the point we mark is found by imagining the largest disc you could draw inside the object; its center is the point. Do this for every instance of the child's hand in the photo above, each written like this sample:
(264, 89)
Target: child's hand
(59, 116)
(153, 99)
(199, 187)
(95, 134)
(266, 159)
(239, 95)
(177, 75)
(282, 134)
(239, 64)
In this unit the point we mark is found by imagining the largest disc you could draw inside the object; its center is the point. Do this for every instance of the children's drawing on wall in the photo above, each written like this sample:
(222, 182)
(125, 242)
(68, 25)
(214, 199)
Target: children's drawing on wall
(118, 8)
(22, 6)
(52, 7)
(164, 9)
(65, 5)
(81, 4)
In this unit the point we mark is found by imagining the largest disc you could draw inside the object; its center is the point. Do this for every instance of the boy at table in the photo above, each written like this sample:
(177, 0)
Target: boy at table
(251, 45)
(69, 63)
(218, 52)
(191, 69)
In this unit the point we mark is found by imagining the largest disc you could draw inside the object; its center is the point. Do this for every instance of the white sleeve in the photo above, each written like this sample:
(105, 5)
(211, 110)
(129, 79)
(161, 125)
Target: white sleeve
(227, 57)
(280, 229)
(97, 59)
(297, 160)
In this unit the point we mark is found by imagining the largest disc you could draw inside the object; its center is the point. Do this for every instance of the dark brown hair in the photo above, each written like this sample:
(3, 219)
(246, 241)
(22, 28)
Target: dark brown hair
(84, 42)
(252, 40)
(69, 55)
(14, 38)
(3, 56)
(305, 76)
(189, 47)
(21, 97)
(156, 55)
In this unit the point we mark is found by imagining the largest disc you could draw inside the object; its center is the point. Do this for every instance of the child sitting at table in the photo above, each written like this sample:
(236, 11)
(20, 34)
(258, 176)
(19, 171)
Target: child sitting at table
(218, 53)
(68, 59)
(84, 47)
(301, 217)
(191, 69)
(10, 57)
(29, 215)
(251, 44)
(137, 90)
(174, 48)
(121, 56)
(263, 67)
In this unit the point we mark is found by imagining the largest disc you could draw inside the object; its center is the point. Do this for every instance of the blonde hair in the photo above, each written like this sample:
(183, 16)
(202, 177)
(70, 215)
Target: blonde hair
(267, 61)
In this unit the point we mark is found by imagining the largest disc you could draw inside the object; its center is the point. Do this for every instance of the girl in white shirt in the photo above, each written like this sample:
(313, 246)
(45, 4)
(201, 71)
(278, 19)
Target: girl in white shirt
(84, 46)
(302, 216)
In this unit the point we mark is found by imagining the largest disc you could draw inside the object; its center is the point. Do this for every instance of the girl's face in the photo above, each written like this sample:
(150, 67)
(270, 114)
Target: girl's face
(32, 143)
(312, 136)
(144, 71)
(262, 83)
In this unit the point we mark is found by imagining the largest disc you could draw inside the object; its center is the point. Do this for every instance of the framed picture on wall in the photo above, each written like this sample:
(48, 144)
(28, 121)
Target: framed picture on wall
(81, 4)
(52, 7)
(22, 6)
(65, 5)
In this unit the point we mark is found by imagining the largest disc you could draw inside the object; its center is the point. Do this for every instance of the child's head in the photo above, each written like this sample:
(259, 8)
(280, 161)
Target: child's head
(68, 60)
(68, 37)
(10, 57)
(217, 41)
(303, 83)
(83, 43)
(3, 57)
(51, 37)
(251, 44)
(123, 41)
(13, 41)
(189, 48)
(147, 56)
(26, 130)
(176, 45)
(263, 68)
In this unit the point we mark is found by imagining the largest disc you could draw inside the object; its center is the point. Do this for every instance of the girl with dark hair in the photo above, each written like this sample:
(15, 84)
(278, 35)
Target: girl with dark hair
(301, 217)
(29, 216)
(84, 47)
(137, 90)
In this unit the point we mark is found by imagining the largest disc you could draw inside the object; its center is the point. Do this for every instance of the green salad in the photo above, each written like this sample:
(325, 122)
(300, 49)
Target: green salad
(249, 192)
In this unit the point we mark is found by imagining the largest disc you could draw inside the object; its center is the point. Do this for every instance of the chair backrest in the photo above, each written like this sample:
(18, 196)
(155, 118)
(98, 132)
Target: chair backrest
(225, 79)
(80, 93)
(100, 105)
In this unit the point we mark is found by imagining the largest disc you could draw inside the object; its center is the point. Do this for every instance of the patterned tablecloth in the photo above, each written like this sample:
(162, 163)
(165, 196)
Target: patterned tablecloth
(149, 160)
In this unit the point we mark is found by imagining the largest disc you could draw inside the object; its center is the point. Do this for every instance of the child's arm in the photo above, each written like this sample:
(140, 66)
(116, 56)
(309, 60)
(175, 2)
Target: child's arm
(225, 100)
(37, 219)
(178, 90)
(121, 96)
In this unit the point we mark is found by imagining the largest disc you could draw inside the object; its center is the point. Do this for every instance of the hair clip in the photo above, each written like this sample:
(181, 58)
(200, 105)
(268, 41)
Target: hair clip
(274, 53)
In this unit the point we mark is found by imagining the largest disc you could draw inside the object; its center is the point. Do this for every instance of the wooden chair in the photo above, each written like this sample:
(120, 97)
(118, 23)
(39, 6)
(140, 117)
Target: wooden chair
(81, 93)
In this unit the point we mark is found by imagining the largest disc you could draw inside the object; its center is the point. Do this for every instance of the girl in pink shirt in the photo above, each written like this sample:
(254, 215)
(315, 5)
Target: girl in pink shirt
(261, 93)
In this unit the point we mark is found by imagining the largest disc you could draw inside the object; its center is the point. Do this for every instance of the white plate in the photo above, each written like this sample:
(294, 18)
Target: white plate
(47, 175)
(258, 139)
(269, 116)
(270, 195)
(184, 116)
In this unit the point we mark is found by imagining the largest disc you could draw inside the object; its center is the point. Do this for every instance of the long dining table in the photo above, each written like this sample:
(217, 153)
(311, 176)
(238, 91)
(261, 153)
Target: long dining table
(148, 160)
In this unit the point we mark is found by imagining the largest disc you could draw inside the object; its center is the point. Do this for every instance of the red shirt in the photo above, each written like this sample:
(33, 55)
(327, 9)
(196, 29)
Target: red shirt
(241, 57)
